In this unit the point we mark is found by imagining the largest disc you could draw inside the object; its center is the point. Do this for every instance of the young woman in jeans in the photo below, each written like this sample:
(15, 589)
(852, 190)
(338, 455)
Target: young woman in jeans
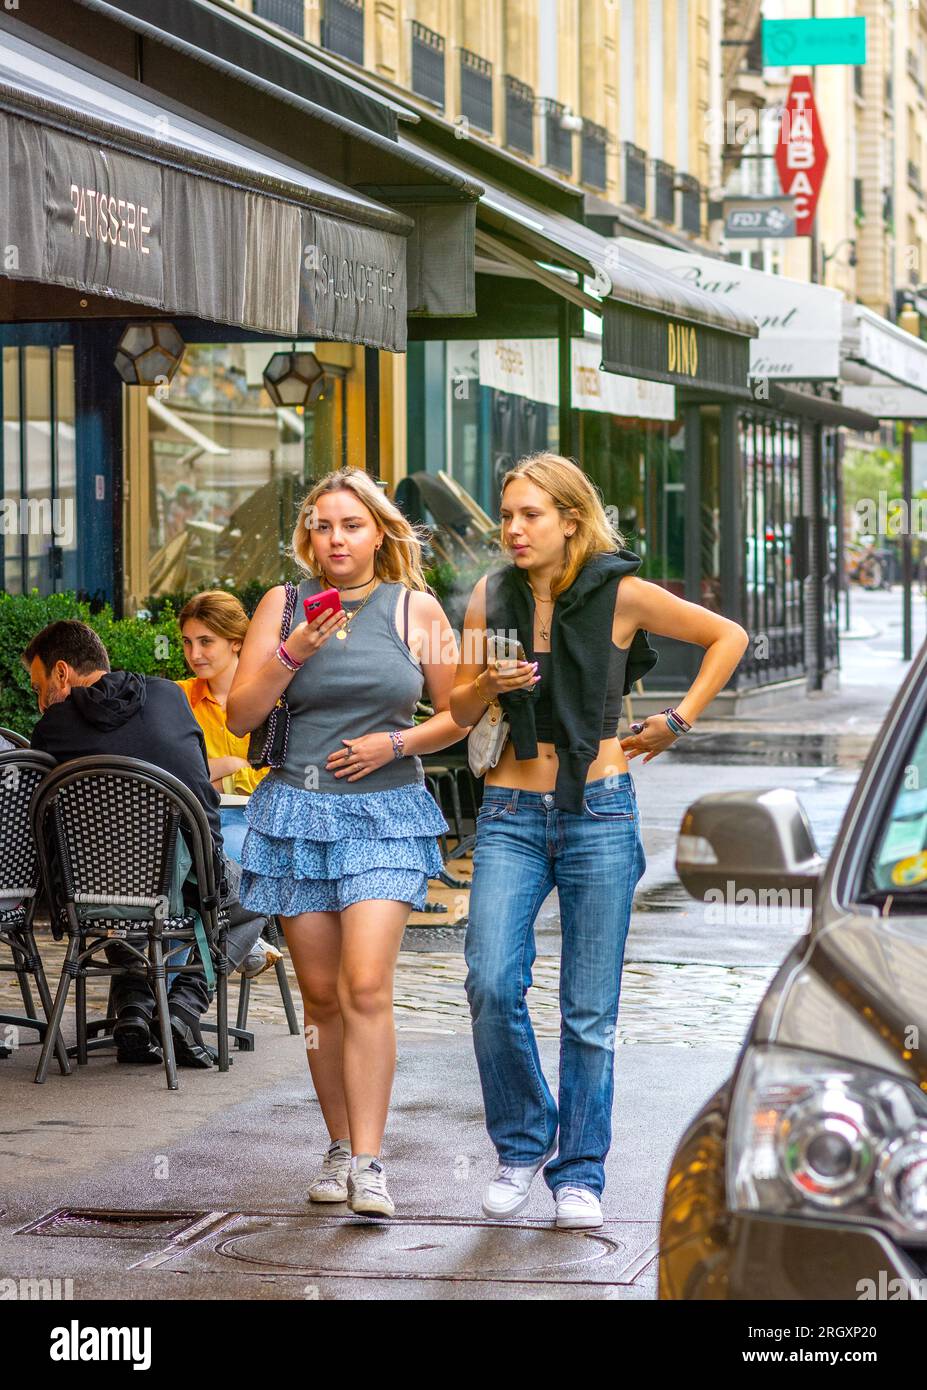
(559, 810)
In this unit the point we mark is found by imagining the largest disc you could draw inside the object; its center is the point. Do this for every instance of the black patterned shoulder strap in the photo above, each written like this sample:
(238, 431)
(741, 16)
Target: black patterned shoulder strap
(289, 607)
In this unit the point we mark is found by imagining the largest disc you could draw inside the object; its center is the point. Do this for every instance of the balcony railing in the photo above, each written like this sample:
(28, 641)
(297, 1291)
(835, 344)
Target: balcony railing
(428, 64)
(343, 29)
(559, 140)
(289, 14)
(664, 202)
(594, 145)
(476, 90)
(635, 176)
(690, 203)
(519, 115)
(914, 69)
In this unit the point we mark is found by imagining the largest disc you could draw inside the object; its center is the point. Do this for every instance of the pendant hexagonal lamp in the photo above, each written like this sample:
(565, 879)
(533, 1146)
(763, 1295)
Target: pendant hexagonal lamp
(294, 378)
(148, 354)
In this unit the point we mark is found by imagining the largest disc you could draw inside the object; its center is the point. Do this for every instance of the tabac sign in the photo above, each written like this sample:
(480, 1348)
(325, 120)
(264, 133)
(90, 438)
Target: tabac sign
(801, 154)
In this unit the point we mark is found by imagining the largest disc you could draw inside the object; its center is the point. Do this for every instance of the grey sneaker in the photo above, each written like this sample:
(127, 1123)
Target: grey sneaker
(508, 1192)
(367, 1194)
(331, 1185)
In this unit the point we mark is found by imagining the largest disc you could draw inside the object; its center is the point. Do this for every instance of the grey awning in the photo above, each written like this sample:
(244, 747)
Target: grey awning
(272, 87)
(111, 194)
(654, 326)
(818, 408)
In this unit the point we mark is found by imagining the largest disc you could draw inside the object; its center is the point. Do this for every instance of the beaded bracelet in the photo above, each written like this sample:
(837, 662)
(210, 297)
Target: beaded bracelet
(396, 739)
(675, 722)
(283, 656)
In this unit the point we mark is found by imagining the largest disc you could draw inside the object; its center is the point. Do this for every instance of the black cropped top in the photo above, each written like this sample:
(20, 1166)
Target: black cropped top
(617, 662)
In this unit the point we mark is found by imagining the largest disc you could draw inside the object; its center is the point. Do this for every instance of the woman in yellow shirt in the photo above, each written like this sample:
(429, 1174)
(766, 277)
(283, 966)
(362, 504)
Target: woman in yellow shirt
(213, 626)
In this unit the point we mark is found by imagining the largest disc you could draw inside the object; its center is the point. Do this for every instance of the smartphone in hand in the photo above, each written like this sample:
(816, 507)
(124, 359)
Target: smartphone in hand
(505, 651)
(328, 602)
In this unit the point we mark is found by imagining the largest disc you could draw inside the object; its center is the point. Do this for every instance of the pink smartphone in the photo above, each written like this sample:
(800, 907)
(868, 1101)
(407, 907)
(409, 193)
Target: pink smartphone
(329, 601)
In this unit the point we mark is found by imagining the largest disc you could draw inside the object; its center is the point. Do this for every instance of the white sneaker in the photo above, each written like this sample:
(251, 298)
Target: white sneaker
(367, 1194)
(508, 1192)
(332, 1183)
(577, 1209)
(260, 958)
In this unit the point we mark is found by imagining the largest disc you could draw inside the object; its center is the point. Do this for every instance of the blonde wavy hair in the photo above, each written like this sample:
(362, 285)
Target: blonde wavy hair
(399, 558)
(576, 498)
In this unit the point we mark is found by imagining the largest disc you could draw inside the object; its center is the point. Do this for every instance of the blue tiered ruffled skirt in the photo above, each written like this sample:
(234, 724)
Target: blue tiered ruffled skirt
(309, 851)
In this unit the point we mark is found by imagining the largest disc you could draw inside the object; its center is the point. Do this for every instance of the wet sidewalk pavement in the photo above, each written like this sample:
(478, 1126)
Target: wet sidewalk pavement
(131, 1191)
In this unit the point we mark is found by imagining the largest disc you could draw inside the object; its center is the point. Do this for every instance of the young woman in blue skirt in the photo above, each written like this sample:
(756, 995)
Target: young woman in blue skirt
(342, 839)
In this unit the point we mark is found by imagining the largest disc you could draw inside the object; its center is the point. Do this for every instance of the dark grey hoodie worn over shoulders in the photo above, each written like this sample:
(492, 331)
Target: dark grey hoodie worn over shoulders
(133, 716)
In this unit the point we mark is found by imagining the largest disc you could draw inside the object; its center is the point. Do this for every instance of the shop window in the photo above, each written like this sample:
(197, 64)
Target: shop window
(225, 471)
(39, 535)
(638, 466)
(770, 469)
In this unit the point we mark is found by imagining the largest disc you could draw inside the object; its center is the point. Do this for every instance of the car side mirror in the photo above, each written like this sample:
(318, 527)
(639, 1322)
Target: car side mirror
(758, 840)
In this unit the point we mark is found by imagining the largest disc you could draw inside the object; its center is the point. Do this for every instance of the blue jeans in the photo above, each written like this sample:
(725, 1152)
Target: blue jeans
(234, 830)
(524, 848)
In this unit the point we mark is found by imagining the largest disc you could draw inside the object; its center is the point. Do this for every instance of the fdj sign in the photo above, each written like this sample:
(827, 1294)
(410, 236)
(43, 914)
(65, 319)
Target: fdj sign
(682, 349)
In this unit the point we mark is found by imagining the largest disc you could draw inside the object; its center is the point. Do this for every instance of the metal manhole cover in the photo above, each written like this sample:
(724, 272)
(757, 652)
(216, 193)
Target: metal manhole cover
(419, 1250)
(111, 1225)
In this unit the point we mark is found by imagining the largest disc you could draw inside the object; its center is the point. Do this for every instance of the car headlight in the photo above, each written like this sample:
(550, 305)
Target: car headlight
(811, 1135)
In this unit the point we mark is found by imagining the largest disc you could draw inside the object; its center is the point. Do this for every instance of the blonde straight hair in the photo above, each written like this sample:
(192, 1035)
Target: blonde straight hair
(399, 558)
(576, 498)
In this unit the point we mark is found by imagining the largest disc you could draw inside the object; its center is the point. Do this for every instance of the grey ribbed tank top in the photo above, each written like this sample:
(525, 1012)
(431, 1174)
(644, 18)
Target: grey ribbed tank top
(369, 683)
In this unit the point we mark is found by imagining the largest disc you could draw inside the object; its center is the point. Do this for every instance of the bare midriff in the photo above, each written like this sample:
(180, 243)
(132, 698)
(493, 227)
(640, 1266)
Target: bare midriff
(540, 774)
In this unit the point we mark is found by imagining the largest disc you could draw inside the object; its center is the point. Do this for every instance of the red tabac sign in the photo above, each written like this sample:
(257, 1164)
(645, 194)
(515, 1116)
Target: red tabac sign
(801, 154)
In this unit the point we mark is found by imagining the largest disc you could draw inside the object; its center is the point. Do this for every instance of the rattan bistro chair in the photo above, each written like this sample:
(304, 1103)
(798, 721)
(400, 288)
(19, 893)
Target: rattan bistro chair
(21, 772)
(11, 736)
(108, 831)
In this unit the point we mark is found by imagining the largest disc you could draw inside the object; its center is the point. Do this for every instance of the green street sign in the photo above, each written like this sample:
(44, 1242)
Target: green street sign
(804, 43)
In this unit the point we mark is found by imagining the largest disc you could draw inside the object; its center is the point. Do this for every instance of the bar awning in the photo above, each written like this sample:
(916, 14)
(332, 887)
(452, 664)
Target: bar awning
(654, 327)
(113, 195)
(810, 333)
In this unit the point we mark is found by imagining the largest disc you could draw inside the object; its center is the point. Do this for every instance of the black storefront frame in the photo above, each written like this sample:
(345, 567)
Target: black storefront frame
(808, 648)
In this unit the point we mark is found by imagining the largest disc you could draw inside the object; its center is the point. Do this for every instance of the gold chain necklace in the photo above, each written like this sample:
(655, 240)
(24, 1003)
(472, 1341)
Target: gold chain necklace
(342, 632)
(545, 632)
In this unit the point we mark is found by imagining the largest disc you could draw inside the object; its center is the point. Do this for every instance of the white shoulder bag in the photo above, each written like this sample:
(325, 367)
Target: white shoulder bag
(487, 739)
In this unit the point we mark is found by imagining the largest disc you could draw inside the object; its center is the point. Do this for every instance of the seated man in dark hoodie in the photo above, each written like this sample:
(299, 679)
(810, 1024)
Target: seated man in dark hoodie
(87, 708)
